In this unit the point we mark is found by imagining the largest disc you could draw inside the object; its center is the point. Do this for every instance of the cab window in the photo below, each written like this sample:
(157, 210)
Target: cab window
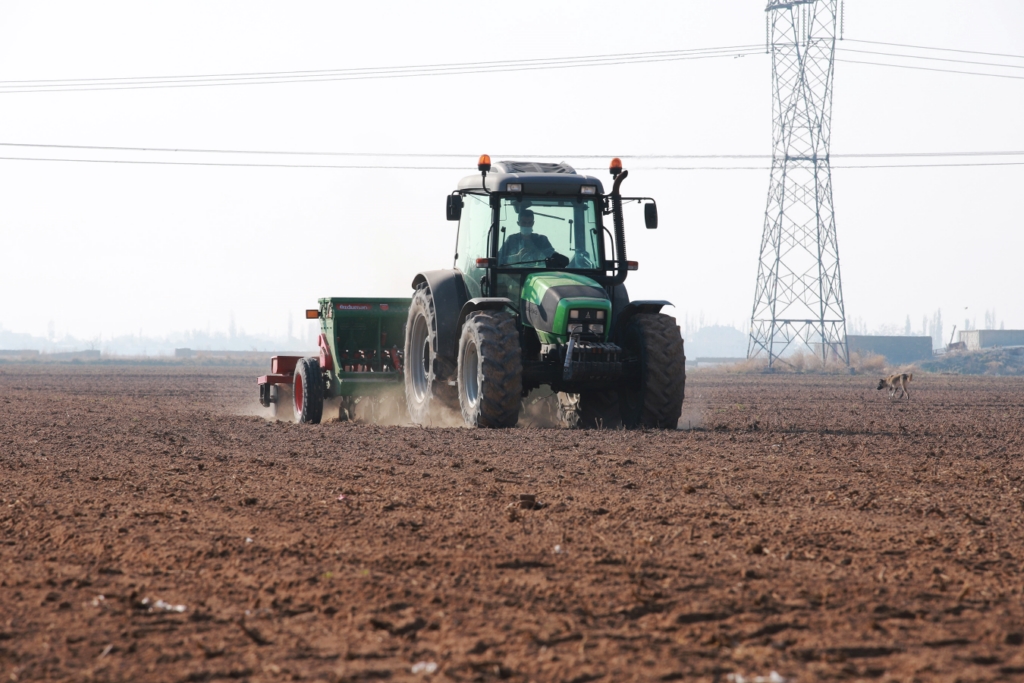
(531, 230)
(474, 225)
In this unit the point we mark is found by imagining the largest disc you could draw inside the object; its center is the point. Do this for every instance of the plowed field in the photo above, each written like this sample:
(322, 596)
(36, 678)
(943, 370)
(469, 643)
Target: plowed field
(152, 530)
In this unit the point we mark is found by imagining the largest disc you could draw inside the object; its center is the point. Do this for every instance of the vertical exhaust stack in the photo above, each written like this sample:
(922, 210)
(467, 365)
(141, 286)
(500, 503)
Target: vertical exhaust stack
(620, 229)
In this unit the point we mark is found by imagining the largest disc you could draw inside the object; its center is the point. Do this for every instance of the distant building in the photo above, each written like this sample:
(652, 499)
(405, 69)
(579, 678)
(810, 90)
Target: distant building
(91, 354)
(718, 341)
(897, 350)
(19, 353)
(977, 340)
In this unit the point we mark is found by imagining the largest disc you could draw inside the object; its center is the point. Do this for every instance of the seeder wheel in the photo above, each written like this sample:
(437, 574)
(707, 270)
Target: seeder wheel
(308, 391)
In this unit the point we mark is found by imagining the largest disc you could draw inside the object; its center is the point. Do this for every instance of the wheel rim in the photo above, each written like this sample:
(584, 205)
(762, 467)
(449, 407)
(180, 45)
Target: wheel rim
(298, 394)
(471, 373)
(419, 362)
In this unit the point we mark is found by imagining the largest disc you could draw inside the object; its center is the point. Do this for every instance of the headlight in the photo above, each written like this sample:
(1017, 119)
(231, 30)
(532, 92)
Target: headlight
(576, 329)
(597, 329)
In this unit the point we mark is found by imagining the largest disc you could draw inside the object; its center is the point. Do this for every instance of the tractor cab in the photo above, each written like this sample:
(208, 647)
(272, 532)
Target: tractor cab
(533, 233)
(522, 217)
(526, 218)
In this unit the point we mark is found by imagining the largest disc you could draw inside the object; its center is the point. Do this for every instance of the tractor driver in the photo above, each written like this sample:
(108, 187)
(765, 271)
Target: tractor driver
(527, 247)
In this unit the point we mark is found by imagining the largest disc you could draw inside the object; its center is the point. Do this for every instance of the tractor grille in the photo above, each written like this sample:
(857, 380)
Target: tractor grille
(594, 360)
(587, 323)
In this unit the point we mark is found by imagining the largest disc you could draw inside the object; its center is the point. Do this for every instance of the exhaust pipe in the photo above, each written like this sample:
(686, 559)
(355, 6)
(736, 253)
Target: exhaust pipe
(620, 229)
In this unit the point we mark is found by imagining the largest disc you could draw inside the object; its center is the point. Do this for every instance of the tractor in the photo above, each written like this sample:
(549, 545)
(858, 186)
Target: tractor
(537, 299)
(536, 302)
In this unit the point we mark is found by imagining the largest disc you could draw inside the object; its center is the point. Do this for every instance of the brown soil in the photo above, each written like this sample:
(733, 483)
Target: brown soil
(811, 527)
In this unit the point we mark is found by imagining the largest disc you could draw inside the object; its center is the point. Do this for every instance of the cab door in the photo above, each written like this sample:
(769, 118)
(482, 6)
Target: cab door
(474, 225)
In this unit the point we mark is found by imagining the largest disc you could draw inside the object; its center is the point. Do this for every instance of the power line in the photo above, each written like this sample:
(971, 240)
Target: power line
(935, 59)
(194, 150)
(848, 168)
(941, 49)
(375, 73)
(926, 68)
(930, 154)
(371, 77)
(950, 165)
(480, 64)
(463, 68)
(463, 168)
(227, 164)
(385, 154)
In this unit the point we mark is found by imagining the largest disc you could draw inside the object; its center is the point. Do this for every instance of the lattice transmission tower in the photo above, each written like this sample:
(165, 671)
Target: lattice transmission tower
(798, 302)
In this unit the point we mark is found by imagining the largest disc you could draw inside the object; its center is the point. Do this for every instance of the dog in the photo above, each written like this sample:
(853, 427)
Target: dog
(896, 382)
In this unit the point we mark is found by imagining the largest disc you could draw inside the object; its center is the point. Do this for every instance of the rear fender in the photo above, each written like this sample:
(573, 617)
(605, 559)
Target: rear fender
(449, 294)
(481, 304)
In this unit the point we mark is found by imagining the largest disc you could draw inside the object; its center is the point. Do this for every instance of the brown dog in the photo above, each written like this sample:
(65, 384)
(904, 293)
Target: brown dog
(896, 382)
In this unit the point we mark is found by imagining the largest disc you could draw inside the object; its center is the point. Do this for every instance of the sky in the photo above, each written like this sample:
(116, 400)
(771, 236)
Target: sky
(101, 250)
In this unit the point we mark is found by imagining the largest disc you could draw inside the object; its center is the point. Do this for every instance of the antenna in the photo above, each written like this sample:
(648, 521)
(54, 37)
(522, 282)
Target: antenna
(798, 300)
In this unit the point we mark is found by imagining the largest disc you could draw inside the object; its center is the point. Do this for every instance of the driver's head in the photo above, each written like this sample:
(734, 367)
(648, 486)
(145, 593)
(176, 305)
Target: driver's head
(526, 221)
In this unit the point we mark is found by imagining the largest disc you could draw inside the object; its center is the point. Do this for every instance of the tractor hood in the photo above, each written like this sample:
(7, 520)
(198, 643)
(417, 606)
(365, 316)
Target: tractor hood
(547, 299)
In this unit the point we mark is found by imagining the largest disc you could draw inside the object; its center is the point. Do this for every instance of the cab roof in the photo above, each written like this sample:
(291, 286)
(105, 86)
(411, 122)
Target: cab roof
(536, 177)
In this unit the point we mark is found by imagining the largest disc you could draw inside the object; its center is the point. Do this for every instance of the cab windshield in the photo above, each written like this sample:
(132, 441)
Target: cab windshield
(545, 232)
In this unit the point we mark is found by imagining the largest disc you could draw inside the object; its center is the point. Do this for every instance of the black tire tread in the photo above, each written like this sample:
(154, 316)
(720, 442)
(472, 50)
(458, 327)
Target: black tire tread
(501, 357)
(663, 370)
(312, 391)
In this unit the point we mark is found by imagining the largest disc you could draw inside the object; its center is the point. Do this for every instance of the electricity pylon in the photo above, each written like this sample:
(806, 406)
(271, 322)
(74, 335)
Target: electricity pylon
(799, 297)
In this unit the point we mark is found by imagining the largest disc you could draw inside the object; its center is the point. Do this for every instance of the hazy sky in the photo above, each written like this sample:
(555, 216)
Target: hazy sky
(106, 249)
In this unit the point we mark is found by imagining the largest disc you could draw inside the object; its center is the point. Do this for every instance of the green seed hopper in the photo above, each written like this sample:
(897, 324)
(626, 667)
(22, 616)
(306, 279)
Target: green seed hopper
(360, 354)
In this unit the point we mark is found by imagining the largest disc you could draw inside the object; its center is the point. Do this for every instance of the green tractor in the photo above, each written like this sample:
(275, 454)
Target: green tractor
(537, 299)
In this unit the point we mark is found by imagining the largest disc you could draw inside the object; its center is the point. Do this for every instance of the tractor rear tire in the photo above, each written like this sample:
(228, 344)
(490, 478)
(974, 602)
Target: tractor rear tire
(490, 373)
(656, 400)
(599, 410)
(308, 391)
(281, 404)
(426, 395)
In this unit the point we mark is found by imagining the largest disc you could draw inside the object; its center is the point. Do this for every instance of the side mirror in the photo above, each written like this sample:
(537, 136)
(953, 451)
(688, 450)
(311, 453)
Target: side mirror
(651, 216)
(453, 209)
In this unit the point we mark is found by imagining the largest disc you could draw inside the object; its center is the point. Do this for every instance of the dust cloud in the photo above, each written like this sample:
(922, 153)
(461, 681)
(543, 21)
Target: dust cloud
(693, 414)
(539, 410)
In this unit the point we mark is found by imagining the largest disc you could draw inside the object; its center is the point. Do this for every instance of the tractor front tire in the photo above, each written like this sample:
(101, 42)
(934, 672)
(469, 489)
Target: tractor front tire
(490, 373)
(308, 391)
(655, 400)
